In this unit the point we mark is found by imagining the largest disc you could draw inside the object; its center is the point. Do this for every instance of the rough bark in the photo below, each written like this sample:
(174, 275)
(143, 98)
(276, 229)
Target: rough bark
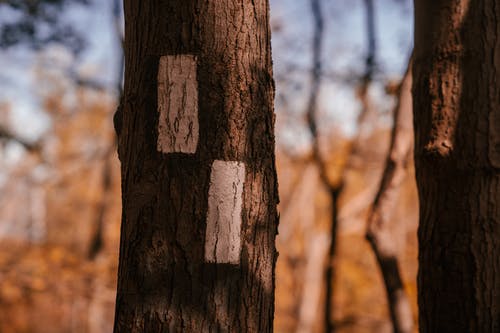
(379, 232)
(174, 274)
(457, 155)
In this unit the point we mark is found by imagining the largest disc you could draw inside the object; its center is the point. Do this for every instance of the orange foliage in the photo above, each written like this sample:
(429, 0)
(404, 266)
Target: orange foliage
(53, 284)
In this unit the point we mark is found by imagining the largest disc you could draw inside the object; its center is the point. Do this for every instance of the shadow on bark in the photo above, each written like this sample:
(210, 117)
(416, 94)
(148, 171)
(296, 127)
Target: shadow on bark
(210, 307)
(164, 284)
(457, 160)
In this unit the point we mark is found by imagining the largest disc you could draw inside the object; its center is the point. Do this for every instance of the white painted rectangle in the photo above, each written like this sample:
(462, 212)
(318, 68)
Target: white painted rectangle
(177, 104)
(225, 199)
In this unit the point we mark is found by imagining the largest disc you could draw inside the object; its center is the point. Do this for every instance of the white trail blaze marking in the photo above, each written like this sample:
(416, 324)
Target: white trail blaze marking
(223, 233)
(177, 104)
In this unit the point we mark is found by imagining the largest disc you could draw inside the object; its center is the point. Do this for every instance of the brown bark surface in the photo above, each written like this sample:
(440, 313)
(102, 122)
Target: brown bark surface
(457, 156)
(165, 283)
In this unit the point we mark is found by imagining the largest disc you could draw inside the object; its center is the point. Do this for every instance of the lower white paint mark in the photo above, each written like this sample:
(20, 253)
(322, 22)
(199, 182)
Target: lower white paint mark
(177, 104)
(223, 233)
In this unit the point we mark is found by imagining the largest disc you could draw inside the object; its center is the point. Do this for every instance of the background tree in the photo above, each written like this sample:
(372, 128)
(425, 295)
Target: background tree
(41, 29)
(328, 189)
(199, 186)
(457, 156)
(60, 203)
(39, 24)
(59, 184)
(379, 233)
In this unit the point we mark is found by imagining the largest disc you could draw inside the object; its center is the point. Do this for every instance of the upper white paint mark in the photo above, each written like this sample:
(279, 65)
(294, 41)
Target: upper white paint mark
(223, 233)
(177, 104)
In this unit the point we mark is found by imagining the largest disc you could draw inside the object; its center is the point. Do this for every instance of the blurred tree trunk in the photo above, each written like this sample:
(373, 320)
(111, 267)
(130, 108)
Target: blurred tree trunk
(199, 186)
(318, 263)
(335, 189)
(97, 242)
(379, 233)
(457, 155)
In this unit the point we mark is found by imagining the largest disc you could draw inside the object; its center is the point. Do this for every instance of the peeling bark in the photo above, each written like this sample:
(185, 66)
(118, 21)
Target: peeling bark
(379, 232)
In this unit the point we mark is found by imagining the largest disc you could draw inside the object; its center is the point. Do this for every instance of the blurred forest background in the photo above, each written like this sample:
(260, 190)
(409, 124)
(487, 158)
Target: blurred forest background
(338, 65)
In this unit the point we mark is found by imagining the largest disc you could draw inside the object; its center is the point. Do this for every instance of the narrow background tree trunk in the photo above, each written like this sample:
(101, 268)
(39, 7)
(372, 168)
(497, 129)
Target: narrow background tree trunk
(193, 259)
(382, 239)
(457, 155)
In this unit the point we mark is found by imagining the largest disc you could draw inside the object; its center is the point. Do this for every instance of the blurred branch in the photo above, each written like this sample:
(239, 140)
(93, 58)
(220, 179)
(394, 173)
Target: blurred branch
(349, 77)
(315, 74)
(363, 90)
(86, 82)
(30, 146)
(372, 42)
(333, 190)
(117, 23)
(379, 231)
(358, 141)
(39, 24)
(97, 241)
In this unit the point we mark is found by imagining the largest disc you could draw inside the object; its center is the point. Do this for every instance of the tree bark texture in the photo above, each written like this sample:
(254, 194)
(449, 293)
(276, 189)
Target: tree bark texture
(196, 144)
(379, 233)
(457, 154)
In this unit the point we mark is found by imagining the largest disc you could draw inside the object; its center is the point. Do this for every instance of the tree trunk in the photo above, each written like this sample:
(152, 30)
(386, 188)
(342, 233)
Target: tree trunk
(379, 233)
(199, 186)
(457, 155)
